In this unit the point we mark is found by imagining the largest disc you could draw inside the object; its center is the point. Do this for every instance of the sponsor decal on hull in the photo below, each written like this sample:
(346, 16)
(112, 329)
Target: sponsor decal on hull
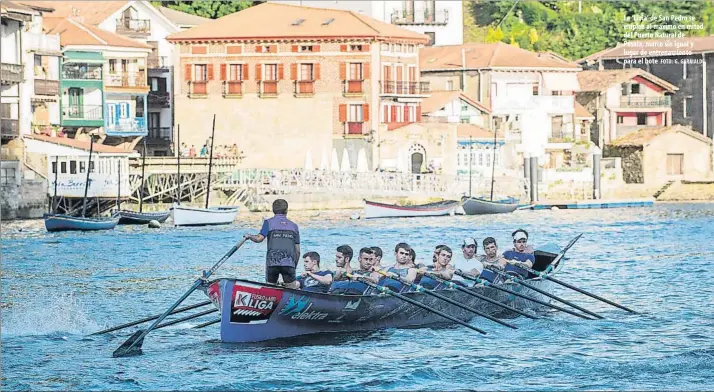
(214, 294)
(253, 305)
(300, 309)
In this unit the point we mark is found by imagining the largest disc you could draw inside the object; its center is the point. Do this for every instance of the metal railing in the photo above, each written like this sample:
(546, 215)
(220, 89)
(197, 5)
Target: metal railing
(420, 16)
(126, 79)
(159, 98)
(197, 88)
(158, 62)
(84, 112)
(9, 128)
(352, 86)
(11, 73)
(127, 126)
(630, 101)
(233, 88)
(133, 26)
(89, 73)
(404, 88)
(46, 87)
(304, 87)
(158, 135)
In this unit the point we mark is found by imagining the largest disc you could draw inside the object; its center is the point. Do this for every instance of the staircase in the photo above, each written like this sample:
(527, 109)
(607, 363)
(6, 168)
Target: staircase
(663, 189)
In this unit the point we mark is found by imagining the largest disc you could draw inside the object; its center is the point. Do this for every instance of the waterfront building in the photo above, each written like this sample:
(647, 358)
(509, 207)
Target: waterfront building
(288, 83)
(441, 20)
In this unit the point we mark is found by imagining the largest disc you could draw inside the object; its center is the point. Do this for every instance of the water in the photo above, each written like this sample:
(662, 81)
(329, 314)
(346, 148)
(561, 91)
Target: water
(57, 288)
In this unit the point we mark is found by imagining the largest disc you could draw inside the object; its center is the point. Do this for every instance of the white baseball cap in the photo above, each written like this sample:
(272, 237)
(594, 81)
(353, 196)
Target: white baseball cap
(469, 241)
(520, 236)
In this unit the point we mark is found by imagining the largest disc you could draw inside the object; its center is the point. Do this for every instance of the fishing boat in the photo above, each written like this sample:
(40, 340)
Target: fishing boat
(128, 217)
(253, 311)
(480, 206)
(196, 216)
(380, 210)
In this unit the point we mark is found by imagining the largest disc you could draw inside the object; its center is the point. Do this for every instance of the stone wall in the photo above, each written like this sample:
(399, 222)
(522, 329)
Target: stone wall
(26, 201)
(632, 158)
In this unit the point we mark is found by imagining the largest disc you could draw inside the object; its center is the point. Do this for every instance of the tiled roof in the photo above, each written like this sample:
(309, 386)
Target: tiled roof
(72, 32)
(181, 18)
(438, 99)
(464, 131)
(90, 12)
(272, 21)
(9, 6)
(581, 112)
(488, 56)
(79, 144)
(645, 135)
(603, 80)
(694, 44)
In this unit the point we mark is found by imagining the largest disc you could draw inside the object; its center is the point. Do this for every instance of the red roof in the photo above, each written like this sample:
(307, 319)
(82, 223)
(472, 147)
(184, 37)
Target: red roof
(79, 144)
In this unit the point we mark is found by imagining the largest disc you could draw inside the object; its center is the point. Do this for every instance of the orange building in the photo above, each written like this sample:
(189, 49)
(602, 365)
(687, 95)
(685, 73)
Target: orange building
(293, 84)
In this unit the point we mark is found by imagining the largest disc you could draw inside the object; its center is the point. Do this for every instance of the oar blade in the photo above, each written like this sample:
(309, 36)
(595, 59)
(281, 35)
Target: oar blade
(129, 348)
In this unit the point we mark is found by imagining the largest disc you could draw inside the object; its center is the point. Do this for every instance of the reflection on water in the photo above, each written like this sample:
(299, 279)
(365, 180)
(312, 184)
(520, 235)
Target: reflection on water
(57, 288)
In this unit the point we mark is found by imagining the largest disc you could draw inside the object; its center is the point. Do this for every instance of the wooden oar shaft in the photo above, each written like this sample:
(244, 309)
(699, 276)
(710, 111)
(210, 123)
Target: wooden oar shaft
(207, 323)
(517, 294)
(416, 303)
(154, 317)
(479, 296)
(560, 282)
(190, 317)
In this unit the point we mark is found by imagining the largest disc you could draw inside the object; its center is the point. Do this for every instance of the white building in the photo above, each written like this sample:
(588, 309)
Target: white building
(442, 20)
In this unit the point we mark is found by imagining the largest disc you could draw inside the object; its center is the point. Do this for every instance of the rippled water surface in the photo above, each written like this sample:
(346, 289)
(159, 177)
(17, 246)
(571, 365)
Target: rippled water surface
(58, 288)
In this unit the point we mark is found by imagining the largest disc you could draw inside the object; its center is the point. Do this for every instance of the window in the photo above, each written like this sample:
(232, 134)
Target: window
(480, 159)
(235, 72)
(557, 93)
(82, 167)
(355, 71)
(449, 85)
(124, 65)
(355, 113)
(432, 38)
(91, 167)
(687, 109)
(263, 49)
(306, 72)
(112, 66)
(674, 164)
(397, 48)
(7, 175)
(356, 48)
(535, 89)
(63, 167)
(200, 72)
(464, 108)
(635, 88)
(641, 118)
(384, 47)
(270, 72)
(625, 90)
(620, 119)
(306, 48)
(72, 167)
(54, 167)
(684, 71)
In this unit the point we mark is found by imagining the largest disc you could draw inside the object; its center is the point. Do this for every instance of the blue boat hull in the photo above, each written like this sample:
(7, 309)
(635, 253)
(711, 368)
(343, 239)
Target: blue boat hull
(141, 218)
(59, 222)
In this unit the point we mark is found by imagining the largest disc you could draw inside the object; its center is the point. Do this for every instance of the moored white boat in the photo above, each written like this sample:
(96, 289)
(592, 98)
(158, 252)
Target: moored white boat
(381, 210)
(195, 216)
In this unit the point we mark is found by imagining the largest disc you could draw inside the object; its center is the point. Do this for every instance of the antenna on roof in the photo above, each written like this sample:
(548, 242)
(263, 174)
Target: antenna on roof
(298, 22)
(328, 21)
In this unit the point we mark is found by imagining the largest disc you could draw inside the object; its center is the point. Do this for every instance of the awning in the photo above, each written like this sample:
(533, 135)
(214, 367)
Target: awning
(561, 81)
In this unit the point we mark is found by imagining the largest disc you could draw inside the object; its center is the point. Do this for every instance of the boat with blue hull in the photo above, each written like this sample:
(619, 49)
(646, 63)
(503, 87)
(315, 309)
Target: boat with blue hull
(141, 218)
(480, 206)
(61, 222)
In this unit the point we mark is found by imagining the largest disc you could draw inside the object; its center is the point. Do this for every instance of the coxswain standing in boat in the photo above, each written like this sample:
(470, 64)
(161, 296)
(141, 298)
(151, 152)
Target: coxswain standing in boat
(343, 257)
(521, 254)
(467, 261)
(492, 258)
(283, 245)
(366, 264)
(404, 265)
(314, 279)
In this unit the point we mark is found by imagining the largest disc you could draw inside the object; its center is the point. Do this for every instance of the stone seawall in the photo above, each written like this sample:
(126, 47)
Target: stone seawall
(25, 201)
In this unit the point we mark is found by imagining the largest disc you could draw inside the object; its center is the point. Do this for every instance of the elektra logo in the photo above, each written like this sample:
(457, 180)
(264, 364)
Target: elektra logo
(300, 310)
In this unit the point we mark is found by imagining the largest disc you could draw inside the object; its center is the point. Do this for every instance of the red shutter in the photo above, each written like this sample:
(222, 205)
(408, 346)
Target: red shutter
(343, 48)
(258, 73)
(365, 112)
(187, 72)
(316, 71)
(315, 48)
(259, 48)
(386, 114)
(343, 71)
(365, 48)
(295, 48)
(281, 72)
(210, 71)
(223, 72)
(343, 113)
(365, 71)
(394, 114)
(245, 72)
(273, 49)
(418, 111)
(293, 71)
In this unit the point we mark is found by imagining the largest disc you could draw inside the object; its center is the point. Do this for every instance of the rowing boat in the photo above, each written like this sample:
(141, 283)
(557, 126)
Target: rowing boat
(380, 210)
(253, 311)
(61, 222)
(127, 217)
(480, 206)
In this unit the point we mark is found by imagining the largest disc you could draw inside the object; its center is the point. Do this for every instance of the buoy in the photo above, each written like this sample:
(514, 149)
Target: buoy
(355, 216)
(554, 208)
(154, 224)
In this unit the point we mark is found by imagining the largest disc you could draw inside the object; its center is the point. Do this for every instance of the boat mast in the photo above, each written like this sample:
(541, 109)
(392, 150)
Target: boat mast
(53, 208)
(119, 184)
(210, 160)
(493, 166)
(89, 169)
(470, 153)
(178, 161)
(141, 190)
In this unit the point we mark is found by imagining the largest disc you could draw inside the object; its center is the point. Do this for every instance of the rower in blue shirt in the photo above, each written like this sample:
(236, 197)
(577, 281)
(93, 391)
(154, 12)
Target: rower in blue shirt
(313, 279)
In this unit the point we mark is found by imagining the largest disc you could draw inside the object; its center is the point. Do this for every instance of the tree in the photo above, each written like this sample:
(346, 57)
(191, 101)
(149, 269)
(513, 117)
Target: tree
(208, 8)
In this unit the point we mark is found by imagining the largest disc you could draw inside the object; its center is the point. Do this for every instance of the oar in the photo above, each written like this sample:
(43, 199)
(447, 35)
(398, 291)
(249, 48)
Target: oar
(547, 294)
(545, 275)
(385, 290)
(137, 339)
(193, 316)
(445, 299)
(207, 323)
(452, 285)
(154, 317)
(517, 294)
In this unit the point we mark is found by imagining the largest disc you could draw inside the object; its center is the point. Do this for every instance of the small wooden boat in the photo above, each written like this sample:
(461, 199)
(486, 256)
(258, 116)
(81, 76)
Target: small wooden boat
(127, 217)
(252, 311)
(195, 216)
(380, 210)
(61, 222)
(479, 206)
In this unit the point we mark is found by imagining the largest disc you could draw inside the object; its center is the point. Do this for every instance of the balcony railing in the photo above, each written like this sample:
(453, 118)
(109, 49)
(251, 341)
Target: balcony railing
(46, 87)
(42, 42)
(159, 136)
(269, 88)
(233, 88)
(353, 87)
(159, 99)
(197, 88)
(85, 112)
(127, 79)
(11, 73)
(355, 128)
(420, 17)
(82, 74)
(505, 104)
(304, 88)
(9, 128)
(404, 88)
(630, 101)
(158, 62)
(128, 127)
(133, 27)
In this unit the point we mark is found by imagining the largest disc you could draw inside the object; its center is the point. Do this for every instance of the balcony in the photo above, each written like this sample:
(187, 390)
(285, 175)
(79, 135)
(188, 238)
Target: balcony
(160, 99)
(82, 73)
(10, 73)
(127, 127)
(268, 88)
(85, 112)
(355, 128)
(46, 87)
(390, 87)
(233, 89)
(158, 136)
(505, 104)
(42, 43)
(158, 62)
(133, 27)
(198, 89)
(420, 17)
(630, 101)
(9, 128)
(127, 80)
(304, 88)
(352, 88)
